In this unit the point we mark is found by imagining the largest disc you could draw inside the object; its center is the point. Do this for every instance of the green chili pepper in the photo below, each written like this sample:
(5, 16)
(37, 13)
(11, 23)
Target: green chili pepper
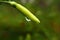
(24, 10)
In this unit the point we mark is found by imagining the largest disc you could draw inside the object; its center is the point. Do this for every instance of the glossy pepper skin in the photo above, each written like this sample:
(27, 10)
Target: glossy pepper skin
(24, 10)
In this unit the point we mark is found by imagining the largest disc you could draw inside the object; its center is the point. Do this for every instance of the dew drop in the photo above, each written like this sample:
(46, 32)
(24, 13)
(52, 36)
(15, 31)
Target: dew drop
(27, 19)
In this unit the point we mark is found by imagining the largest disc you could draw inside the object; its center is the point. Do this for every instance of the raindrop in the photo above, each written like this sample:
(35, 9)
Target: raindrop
(27, 19)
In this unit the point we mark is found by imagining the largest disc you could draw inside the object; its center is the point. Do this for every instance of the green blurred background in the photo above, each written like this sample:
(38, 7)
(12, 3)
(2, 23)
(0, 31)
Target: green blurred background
(14, 26)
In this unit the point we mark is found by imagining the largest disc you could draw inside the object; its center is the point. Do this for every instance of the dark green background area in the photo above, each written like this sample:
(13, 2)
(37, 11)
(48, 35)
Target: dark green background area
(14, 26)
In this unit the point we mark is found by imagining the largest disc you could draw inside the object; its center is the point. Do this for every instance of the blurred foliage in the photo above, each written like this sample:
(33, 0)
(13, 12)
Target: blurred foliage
(14, 26)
